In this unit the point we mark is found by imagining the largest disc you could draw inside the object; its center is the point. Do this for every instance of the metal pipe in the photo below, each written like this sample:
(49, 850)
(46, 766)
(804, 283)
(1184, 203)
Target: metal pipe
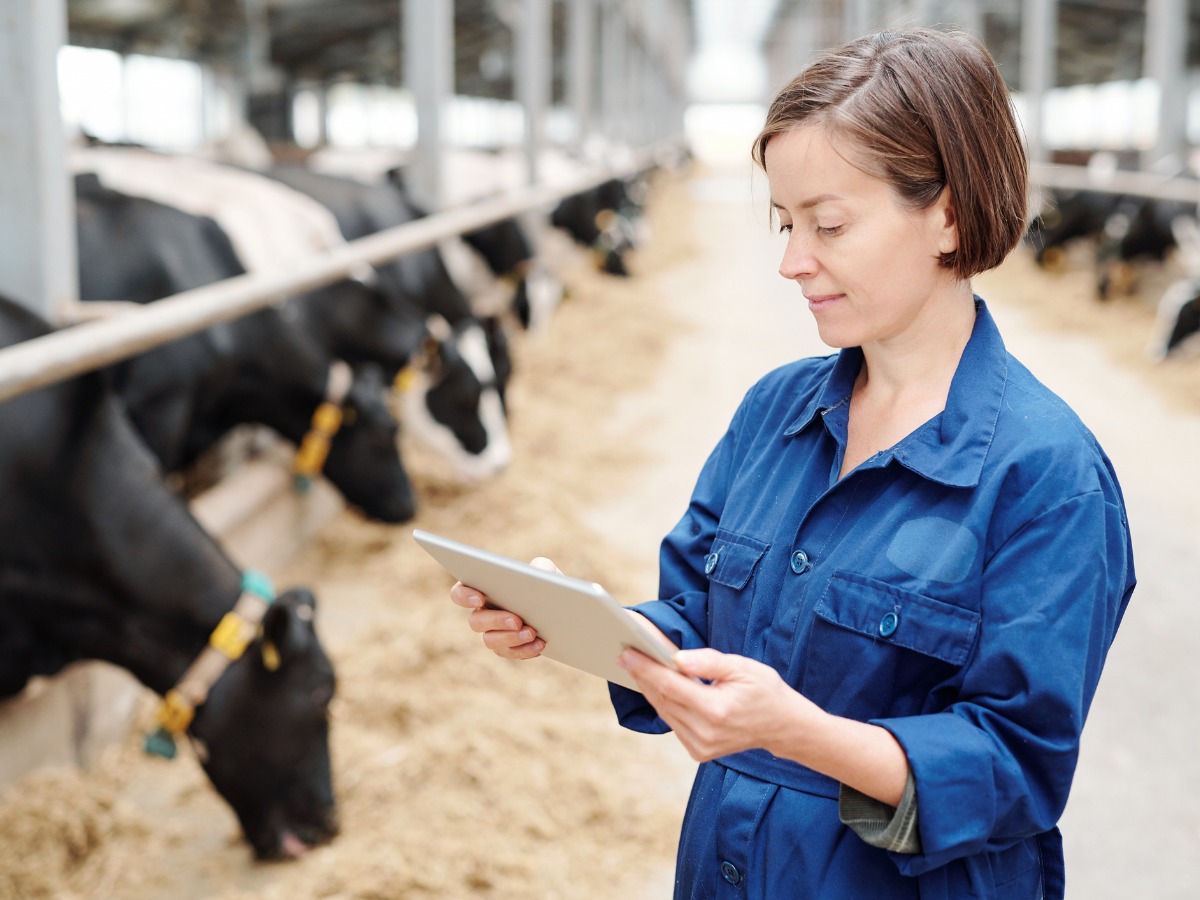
(1144, 184)
(92, 344)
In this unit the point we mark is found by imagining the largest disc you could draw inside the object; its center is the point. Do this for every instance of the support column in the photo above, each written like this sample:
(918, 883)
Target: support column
(429, 76)
(581, 67)
(612, 76)
(1039, 38)
(38, 265)
(1165, 58)
(533, 79)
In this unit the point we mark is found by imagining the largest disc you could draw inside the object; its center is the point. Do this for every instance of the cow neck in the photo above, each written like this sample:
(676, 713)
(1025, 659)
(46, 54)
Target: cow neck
(171, 581)
(313, 449)
(286, 383)
(226, 644)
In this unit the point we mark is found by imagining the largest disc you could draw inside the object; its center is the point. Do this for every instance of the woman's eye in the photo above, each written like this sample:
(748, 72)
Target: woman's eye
(785, 227)
(829, 230)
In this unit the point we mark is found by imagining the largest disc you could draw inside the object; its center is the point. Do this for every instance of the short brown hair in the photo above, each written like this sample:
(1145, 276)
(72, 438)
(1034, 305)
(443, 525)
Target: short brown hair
(922, 110)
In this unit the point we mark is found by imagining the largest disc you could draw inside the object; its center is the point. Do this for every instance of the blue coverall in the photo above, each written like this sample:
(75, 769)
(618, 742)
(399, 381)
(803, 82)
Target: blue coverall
(961, 589)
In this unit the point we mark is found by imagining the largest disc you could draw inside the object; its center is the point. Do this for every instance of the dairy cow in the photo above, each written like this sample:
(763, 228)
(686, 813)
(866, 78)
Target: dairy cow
(99, 560)
(247, 205)
(185, 396)
(459, 406)
(601, 218)
(1067, 216)
(501, 268)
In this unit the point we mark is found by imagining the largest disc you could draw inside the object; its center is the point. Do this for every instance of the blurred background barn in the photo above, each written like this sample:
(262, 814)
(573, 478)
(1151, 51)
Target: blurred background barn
(611, 138)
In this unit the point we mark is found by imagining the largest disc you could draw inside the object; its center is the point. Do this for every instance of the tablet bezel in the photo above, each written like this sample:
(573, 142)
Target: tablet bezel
(583, 626)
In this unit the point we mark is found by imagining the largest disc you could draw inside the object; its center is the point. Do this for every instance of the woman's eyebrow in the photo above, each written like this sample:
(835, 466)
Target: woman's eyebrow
(809, 203)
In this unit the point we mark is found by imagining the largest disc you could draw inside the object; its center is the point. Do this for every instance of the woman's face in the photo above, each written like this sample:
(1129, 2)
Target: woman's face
(867, 265)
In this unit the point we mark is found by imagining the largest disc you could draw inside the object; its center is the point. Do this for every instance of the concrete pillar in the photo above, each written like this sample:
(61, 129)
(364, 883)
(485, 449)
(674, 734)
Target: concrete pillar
(37, 201)
(1166, 62)
(533, 78)
(1039, 41)
(581, 66)
(429, 75)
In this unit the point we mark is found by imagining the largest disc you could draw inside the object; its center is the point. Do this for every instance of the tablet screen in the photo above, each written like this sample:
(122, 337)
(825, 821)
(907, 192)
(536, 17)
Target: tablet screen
(582, 625)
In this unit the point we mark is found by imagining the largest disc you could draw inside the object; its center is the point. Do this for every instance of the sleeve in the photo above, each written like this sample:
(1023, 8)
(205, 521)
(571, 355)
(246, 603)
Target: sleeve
(891, 828)
(682, 612)
(996, 766)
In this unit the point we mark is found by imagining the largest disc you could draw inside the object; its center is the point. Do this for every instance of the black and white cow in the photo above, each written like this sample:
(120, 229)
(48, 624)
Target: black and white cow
(495, 266)
(1065, 216)
(1177, 320)
(1126, 229)
(273, 226)
(457, 406)
(185, 396)
(602, 218)
(100, 560)
(605, 220)
(1138, 230)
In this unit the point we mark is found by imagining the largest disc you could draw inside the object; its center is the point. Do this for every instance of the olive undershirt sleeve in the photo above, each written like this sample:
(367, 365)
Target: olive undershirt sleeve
(892, 828)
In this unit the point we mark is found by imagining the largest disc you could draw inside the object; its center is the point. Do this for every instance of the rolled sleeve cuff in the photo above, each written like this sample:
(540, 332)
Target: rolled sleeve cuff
(891, 828)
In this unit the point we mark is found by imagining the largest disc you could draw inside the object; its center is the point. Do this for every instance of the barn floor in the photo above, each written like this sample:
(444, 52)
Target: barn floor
(463, 776)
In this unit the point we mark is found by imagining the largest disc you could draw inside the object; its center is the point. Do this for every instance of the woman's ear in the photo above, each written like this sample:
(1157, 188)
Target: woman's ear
(944, 220)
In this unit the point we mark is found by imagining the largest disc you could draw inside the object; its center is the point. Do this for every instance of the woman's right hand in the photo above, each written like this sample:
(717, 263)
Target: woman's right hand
(504, 633)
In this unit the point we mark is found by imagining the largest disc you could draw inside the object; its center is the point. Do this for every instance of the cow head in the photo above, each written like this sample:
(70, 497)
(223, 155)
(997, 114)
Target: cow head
(503, 245)
(454, 399)
(262, 735)
(359, 323)
(364, 462)
(604, 219)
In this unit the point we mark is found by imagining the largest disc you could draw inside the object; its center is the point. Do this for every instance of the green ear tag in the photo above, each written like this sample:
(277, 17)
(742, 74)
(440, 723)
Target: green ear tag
(257, 583)
(160, 743)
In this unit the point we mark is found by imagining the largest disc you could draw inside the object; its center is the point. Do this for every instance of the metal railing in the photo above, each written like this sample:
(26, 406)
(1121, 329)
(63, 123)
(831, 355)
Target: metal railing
(99, 342)
(1116, 181)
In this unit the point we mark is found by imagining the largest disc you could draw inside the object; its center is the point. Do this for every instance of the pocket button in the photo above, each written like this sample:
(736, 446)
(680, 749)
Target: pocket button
(888, 624)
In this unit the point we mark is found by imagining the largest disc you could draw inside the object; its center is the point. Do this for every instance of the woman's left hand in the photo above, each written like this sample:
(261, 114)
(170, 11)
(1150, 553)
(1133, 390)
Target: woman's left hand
(744, 704)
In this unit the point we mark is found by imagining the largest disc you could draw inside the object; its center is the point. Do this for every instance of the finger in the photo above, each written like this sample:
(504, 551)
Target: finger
(541, 562)
(654, 679)
(523, 644)
(485, 620)
(706, 663)
(467, 597)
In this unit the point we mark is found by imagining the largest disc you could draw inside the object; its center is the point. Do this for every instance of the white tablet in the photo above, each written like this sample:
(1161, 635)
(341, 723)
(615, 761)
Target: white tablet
(581, 624)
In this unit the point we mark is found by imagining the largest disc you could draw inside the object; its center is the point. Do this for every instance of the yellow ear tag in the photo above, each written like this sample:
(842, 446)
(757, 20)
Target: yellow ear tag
(270, 656)
(404, 380)
(605, 219)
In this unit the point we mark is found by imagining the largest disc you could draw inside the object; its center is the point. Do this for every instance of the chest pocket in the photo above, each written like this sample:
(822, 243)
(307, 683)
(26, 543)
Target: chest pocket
(875, 650)
(730, 566)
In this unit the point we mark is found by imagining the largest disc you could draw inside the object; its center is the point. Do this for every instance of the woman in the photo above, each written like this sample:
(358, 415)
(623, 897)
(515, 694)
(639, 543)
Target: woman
(902, 567)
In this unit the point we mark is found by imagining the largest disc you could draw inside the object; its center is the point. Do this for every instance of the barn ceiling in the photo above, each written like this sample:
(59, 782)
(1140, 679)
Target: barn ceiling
(313, 40)
(321, 40)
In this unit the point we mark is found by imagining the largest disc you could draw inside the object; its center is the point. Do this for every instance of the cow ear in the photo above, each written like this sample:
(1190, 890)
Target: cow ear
(287, 629)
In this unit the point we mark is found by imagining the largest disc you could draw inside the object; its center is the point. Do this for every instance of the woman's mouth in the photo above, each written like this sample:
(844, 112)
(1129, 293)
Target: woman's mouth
(817, 302)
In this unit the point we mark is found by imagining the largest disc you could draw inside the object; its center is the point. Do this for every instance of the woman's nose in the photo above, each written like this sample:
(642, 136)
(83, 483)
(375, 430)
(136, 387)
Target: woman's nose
(798, 261)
